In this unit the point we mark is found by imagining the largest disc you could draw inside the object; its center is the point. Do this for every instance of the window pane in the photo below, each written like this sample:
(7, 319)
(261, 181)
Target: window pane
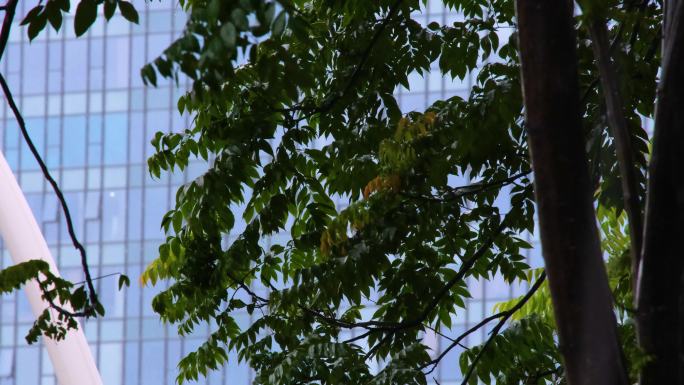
(116, 138)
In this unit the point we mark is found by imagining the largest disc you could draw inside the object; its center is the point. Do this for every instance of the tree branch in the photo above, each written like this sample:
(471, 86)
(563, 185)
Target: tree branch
(504, 318)
(331, 99)
(623, 145)
(10, 9)
(474, 188)
(504, 315)
(91, 309)
(393, 327)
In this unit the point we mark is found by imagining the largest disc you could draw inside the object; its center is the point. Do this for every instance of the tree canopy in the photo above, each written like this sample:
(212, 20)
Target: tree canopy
(294, 111)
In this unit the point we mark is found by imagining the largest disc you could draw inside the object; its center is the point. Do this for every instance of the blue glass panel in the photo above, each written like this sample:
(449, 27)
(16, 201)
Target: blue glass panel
(156, 205)
(33, 81)
(74, 145)
(236, 373)
(138, 48)
(173, 354)
(159, 21)
(411, 102)
(35, 202)
(153, 366)
(95, 125)
(135, 211)
(54, 132)
(11, 133)
(157, 43)
(6, 362)
(92, 233)
(497, 288)
(153, 328)
(14, 81)
(138, 141)
(12, 157)
(13, 55)
(160, 98)
(47, 369)
(450, 369)
(75, 65)
(132, 363)
(8, 311)
(180, 19)
(55, 55)
(115, 138)
(25, 366)
(111, 356)
(117, 73)
(114, 215)
(215, 377)
(95, 154)
(97, 52)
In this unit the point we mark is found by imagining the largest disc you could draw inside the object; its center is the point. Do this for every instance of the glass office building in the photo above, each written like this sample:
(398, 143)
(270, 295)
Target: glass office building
(91, 117)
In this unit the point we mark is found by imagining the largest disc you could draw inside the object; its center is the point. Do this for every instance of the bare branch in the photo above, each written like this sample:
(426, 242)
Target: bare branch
(94, 302)
(393, 327)
(471, 189)
(9, 9)
(504, 318)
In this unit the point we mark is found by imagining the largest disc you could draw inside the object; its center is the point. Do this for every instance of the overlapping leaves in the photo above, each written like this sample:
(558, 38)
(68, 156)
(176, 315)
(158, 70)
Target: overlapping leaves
(294, 110)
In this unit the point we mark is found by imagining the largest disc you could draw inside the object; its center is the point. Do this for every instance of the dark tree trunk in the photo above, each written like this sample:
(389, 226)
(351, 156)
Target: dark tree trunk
(659, 292)
(570, 243)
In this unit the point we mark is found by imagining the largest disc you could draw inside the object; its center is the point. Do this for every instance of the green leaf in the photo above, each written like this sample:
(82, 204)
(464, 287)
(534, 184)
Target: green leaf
(229, 34)
(177, 222)
(278, 26)
(239, 18)
(269, 13)
(344, 195)
(64, 5)
(124, 280)
(99, 309)
(86, 13)
(31, 15)
(109, 8)
(148, 74)
(37, 24)
(78, 298)
(55, 17)
(128, 11)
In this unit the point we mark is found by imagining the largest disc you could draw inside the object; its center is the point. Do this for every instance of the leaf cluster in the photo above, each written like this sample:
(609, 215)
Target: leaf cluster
(347, 227)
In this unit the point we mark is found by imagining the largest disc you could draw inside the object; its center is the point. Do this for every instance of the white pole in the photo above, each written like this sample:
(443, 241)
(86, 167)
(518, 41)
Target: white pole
(71, 358)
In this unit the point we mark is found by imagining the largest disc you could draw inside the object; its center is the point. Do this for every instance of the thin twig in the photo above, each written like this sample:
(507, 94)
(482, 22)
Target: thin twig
(10, 9)
(333, 98)
(94, 302)
(397, 326)
(473, 188)
(505, 314)
(500, 325)
(99, 277)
